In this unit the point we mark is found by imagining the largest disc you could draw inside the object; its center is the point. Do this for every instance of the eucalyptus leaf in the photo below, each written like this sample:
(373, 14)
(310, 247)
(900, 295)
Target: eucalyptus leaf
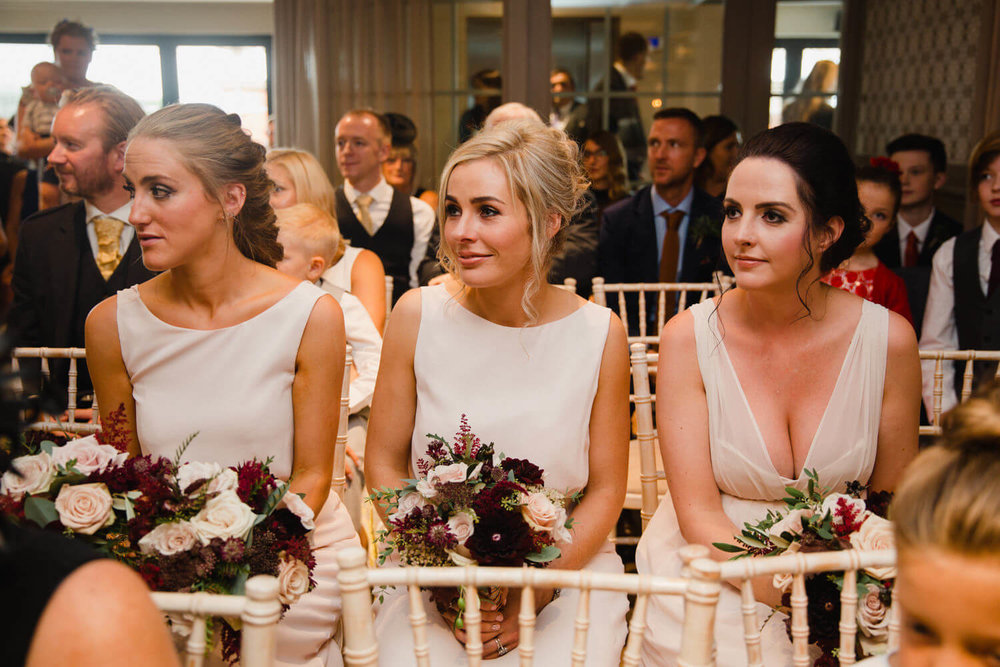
(547, 554)
(728, 548)
(42, 511)
(48, 446)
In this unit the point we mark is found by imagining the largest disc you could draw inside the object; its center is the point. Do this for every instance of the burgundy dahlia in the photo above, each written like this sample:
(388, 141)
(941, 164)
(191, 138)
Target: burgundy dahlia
(524, 470)
(501, 538)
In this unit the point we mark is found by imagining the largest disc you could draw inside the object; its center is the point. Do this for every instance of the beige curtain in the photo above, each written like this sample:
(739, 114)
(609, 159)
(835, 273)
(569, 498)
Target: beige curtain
(335, 55)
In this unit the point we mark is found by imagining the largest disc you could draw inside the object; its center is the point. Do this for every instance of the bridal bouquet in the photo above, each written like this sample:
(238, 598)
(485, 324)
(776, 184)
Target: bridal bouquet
(819, 520)
(472, 506)
(182, 527)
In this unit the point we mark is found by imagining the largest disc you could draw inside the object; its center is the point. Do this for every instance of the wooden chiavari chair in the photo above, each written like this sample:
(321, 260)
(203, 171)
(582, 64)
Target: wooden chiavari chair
(940, 358)
(44, 355)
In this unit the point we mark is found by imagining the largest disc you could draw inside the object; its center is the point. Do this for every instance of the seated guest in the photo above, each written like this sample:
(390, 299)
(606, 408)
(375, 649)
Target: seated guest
(604, 162)
(920, 228)
(567, 113)
(947, 534)
(538, 371)
(863, 274)
(400, 171)
(371, 214)
(667, 232)
(72, 257)
(963, 305)
(223, 344)
(299, 178)
(310, 239)
(721, 141)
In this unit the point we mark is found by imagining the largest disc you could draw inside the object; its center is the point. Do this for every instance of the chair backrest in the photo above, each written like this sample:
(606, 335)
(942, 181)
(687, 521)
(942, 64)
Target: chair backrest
(388, 297)
(569, 285)
(44, 354)
(258, 610)
(339, 480)
(361, 649)
(661, 290)
(942, 357)
(707, 576)
(649, 475)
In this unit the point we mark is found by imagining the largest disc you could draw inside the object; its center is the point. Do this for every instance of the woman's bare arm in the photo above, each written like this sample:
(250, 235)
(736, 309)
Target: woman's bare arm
(319, 371)
(112, 384)
(368, 284)
(897, 433)
(394, 405)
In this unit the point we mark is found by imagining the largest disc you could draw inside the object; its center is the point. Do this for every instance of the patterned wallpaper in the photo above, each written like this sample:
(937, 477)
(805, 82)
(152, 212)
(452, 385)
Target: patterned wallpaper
(918, 73)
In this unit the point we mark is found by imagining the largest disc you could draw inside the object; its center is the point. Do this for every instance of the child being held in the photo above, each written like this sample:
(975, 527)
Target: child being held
(47, 85)
(863, 274)
(312, 243)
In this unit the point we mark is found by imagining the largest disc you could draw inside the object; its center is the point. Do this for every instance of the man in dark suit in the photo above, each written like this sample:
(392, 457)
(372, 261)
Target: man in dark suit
(567, 114)
(624, 118)
(71, 257)
(669, 231)
(920, 229)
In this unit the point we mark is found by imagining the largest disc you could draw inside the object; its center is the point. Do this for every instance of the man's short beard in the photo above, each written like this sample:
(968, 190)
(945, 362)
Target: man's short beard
(93, 185)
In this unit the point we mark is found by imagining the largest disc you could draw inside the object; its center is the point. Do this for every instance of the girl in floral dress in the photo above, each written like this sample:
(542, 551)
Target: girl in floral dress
(863, 274)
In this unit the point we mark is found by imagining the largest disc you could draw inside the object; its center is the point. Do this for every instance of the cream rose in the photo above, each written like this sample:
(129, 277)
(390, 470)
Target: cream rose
(873, 615)
(450, 474)
(540, 512)
(783, 581)
(462, 526)
(426, 489)
(875, 534)
(37, 472)
(792, 523)
(220, 479)
(90, 456)
(168, 539)
(293, 503)
(834, 501)
(223, 516)
(293, 580)
(85, 508)
(561, 533)
(407, 504)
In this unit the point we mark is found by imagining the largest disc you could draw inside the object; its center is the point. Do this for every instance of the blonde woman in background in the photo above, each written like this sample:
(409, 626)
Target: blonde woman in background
(948, 545)
(299, 179)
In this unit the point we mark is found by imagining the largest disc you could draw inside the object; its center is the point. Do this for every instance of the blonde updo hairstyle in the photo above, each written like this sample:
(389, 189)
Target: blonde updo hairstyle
(312, 185)
(949, 496)
(543, 173)
(213, 146)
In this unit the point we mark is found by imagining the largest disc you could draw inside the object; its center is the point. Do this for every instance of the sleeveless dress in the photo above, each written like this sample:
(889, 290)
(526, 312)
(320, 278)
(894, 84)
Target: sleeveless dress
(234, 387)
(843, 450)
(530, 391)
(340, 273)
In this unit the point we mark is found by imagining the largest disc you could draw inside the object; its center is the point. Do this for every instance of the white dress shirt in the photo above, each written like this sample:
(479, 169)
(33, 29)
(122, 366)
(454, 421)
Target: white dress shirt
(939, 330)
(365, 342)
(630, 81)
(920, 230)
(378, 210)
(128, 231)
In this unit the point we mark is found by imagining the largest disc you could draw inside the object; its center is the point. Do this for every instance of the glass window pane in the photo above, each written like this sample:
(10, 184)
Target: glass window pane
(132, 68)
(811, 56)
(18, 59)
(779, 63)
(233, 78)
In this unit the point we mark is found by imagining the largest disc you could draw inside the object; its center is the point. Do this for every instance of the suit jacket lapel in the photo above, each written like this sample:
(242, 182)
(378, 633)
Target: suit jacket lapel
(65, 256)
(649, 256)
(937, 234)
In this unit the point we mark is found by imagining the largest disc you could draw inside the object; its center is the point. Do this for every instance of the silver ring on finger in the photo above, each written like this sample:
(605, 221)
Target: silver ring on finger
(501, 649)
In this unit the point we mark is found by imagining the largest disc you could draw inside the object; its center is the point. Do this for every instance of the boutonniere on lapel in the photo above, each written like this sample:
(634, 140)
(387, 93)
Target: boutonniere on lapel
(704, 227)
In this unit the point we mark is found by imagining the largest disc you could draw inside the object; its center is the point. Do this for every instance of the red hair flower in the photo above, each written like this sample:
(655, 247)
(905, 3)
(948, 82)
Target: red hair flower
(883, 162)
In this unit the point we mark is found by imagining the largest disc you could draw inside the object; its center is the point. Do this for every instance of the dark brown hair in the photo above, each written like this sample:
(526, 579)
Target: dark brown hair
(612, 145)
(67, 28)
(216, 149)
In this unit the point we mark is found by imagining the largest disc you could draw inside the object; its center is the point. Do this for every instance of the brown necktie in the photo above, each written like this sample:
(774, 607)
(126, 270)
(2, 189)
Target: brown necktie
(109, 255)
(363, 202)
(912, 252)
(671, 246)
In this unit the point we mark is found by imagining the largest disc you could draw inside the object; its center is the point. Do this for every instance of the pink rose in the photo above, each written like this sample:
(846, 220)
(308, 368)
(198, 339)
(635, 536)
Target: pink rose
(450, 474)
(873, 615)
(90, 455)
(783, 581)
(293, 503)
(462, 526)
(407, 504)
(37, 472)
(85, 508)
(293, 580)
(219, 479)
(224, 516)
(875, 534)
(792, 523)
(168, 539)
(540, 512)
(426, 489)
(837, 503)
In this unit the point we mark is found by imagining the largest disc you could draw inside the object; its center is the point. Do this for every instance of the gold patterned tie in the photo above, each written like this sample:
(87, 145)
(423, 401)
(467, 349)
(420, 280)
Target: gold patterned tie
(363, 202)
(109, 255)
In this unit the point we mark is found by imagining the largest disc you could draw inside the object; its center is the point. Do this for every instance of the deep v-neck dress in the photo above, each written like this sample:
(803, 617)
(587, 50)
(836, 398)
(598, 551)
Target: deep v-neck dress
(842, 450)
